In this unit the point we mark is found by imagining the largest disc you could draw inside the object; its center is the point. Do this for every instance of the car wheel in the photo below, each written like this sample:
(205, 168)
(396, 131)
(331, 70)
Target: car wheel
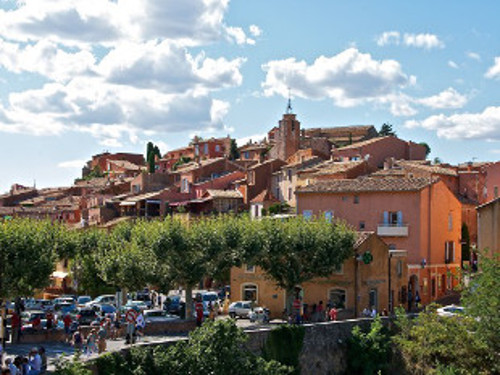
(232, 315)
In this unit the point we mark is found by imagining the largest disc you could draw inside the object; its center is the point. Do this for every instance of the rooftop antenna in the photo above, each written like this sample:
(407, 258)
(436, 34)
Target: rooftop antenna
(289, 106)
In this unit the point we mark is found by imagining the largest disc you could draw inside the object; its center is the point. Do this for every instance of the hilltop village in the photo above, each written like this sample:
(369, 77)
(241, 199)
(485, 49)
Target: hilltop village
(417, 220)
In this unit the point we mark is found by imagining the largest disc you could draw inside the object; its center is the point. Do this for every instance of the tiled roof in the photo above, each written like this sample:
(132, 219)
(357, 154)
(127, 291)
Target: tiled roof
(264, 196)
(367, 184)
(361, 237)
(125, 164)
(409, 165)
(306, 163)
(362, 143)
(217, 193)
(331, 167)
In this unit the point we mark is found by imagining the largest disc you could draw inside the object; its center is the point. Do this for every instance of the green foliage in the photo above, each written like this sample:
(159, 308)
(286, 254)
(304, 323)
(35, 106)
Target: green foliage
(386, 130)
(279, 208)
(215, 348)
(284, 345)
(369, 352)
(73, 367)
(234, 153)
(430, 342)
(481, 299)
(27, 255)
(427, 148)
(96, 172)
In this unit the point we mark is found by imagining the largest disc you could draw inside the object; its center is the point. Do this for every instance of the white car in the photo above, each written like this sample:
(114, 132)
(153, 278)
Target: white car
(106, 299)
(450, 310)
(240, 309)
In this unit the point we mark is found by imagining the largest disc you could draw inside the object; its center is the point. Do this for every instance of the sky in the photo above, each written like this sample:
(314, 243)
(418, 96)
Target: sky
(79, 77)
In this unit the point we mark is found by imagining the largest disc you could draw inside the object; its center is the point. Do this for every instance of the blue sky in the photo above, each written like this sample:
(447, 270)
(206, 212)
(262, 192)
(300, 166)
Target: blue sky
(79, 77)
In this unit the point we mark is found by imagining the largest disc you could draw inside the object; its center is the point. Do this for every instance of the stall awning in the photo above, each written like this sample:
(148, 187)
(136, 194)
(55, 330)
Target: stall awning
(59, 275)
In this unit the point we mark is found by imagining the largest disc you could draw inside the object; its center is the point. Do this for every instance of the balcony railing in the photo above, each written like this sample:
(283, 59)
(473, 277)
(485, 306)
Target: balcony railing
(392, 230)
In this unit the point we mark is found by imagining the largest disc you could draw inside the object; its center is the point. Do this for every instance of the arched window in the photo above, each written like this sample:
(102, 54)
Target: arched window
(249, 292)
(338, 298)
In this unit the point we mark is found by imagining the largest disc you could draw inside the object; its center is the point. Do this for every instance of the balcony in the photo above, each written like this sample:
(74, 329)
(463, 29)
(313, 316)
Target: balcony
(392, 230)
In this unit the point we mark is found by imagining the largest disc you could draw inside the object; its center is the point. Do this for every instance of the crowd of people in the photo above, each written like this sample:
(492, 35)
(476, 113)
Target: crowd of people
(35, 363)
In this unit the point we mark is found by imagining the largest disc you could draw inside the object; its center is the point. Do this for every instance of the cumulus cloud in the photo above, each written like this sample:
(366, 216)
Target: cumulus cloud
(143, 79)
(424, 40)
(452, 64)
(494, 71)
(255, 30)
(349, 78)
(448, 98)
(484, 125)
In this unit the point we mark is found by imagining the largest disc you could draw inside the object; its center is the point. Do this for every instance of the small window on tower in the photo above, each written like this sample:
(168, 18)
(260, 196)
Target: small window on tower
(293, 125)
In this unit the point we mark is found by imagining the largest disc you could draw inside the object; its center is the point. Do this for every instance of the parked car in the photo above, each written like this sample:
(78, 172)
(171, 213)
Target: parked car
(450, 310)
(85, 316)
(240, 309)
(82, 300)
(65, 307)
(209, 298)
(136, 305)
(39, 304)
(259, 314)
(145, 297)
(174, 305)
(27, 317)
(104, 308)
(158, 315)
(106, 299)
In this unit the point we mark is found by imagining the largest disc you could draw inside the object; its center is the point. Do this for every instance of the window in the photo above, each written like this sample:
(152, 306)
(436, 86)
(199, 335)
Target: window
(307, 214)
(433, 287)
(344, 199)
(338, 298)
(449, 252)
(249, 292)
(399, 268)
(495, 191)
(246, 155)
(361, 225)
(278, 192)
(392, 246)
(393, 218)
(249, 269)
(356, 199)
(373, 297)
(197, 150)
(425, 285)
(205, 148)
(289, 173)
(450, 222)
(328, 216)
(217, 148)
(290, 194)
(185, 185)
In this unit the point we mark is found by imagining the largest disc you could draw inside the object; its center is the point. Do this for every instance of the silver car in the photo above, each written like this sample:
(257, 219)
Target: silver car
(240, 309)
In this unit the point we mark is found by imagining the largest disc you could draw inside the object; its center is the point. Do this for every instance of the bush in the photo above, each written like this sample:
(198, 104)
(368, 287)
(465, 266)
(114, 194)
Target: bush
(284, 345)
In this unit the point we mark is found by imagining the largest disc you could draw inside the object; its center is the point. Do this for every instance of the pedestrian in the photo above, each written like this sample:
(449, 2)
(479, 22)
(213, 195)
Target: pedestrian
(333, 314)
(67, 324)
(35, 362)
(11, 366)
(50, 320)
(321, 312)
(102, 339)
(91, 342)
(373, 312)
(159, 300)
(130, 318)
(36, 323)
(6, 371)
(199, 312)
(314, 313)
(15, 323)
(115, 330)
(77, 340)
(43, 356)
(140, 324)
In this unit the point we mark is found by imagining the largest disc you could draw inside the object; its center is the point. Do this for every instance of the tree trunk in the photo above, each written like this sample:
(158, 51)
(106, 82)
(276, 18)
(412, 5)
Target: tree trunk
(189, 302)
(2, 325)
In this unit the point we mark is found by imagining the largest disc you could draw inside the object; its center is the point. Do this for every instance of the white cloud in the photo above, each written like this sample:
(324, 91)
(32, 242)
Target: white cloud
(424, 40)
(484, 125)
(494, 71)
(349, 78)
(255, 30)
(72, 164)
(389, 37)
(142, 80)
(452, 64)
(474, 56)
(448, 98)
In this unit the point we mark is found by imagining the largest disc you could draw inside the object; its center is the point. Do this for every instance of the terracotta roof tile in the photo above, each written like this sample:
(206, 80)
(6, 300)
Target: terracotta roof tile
(367, 184)
(331, 167)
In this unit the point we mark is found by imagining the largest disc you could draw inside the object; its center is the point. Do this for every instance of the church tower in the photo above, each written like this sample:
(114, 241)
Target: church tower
(287, 137)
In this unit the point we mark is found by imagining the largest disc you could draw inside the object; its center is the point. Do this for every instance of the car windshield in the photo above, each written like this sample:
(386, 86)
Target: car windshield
(84, 299)
(209, 297)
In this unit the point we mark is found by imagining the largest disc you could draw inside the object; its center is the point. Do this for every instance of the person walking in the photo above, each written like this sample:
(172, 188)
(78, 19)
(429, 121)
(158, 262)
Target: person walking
(321, 312)
(102, 339)
(130, 318)
(67, 325)
(333, 314)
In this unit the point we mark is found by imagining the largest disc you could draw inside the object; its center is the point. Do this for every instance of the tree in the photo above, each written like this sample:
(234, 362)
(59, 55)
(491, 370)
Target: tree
(386, 130)
(427, 148)
(152, 151)
(234, 153)
(27, 257)
(369, 352)
(430, 342)
(437, 160)
(481, 299)
(295, 251)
